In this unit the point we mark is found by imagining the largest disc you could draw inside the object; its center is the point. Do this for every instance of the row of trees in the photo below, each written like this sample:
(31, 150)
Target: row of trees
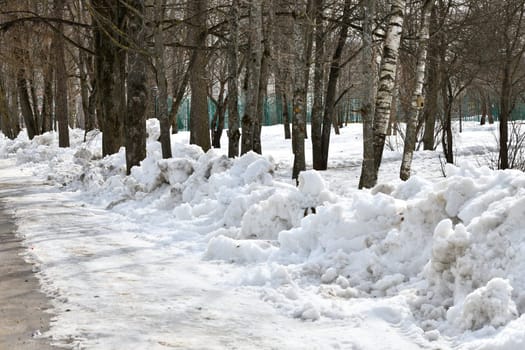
(95, 64)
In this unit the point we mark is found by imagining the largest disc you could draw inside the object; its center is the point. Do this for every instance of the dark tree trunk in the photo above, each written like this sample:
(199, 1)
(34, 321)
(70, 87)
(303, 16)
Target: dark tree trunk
(6, 122)
(233, 100)
(504, 116)
(286, 117)
(137, 91)
(430, 108)
(447, 137)
(253, 76)
(25, 105)
(317, 107)
(199, 119)
(217, 123)
(61, 107)
(110, 78)
(483, 102)
(47, 104)
(333, 76)
(162, 82)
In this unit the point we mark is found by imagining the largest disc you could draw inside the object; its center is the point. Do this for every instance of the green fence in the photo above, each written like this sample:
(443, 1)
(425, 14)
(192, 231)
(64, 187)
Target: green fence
(347, 111)
(273, 112)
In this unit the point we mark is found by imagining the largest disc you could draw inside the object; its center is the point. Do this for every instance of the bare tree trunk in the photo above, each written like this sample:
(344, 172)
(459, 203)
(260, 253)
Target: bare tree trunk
(286, 117)
(283, 37)
(504, 116)
(417, 94)
(217, 122)
(110, 79)
(137, 91)
(483, 102)
(25, 105)
(84, 87)
(309, 40)
(47, 104)
(61, 107)
(233, 89)
(333, 76)
(264, 76)
(6, 116)
(447, 137)
(299, 104)
(317, 107)
(199, 118)
(387, 80)
(254, 76)
(367, 179)
(162, 83)
(34, 103)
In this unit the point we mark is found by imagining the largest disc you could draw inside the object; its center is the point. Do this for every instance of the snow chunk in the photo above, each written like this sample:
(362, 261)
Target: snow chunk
(246, 251)
(491, 305)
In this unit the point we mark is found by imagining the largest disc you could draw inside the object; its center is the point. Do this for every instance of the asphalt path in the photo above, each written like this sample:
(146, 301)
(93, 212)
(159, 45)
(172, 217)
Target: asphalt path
(23, 306)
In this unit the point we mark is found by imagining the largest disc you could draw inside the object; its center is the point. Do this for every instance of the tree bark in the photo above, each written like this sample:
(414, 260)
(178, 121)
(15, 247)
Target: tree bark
(504, 116)
(47, 105)
(199, 118)
(447, 137)
(387, 80)
(367, 108)
(299, 104)
(162, 82)
(25, 105)
(137, 91)
(6, 120)
(233, 89)
(253, 76)
(61, 102)
(483, 103)
(417, 94)
(333, 76)
(217, 122)
(317, 107)
(109, 76)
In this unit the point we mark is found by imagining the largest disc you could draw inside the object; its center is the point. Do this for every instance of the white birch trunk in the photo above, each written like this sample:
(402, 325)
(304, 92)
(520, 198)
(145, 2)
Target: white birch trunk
(417, 95)
(387, 80)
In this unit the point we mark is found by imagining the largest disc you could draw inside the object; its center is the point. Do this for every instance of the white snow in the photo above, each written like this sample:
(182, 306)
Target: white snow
(205, 252)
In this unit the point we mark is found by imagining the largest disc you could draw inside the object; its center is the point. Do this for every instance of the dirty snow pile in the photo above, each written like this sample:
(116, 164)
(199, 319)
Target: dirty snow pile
(450, 254)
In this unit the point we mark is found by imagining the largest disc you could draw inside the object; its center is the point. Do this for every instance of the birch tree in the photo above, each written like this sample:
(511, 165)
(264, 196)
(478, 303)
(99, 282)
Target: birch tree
(417, 95)
(387, 76)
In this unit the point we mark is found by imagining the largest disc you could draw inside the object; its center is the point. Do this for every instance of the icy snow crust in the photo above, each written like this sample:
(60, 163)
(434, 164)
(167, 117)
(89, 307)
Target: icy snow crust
(439, 262)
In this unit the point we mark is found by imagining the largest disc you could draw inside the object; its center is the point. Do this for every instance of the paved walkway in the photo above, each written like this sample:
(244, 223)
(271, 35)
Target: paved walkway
(22, 305)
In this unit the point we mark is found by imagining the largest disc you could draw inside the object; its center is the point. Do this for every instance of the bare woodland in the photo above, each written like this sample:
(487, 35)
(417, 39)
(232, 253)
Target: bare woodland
(109, 65)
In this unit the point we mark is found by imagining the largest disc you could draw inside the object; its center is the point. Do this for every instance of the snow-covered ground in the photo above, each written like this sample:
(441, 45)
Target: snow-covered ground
(204, 252)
